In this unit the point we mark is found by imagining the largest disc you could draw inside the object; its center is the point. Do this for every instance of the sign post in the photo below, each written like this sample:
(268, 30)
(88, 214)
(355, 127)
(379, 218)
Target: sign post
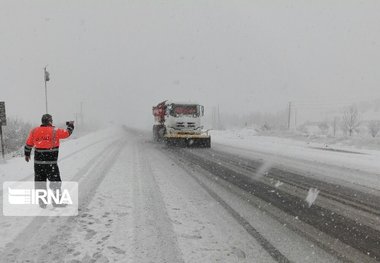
(3, 122)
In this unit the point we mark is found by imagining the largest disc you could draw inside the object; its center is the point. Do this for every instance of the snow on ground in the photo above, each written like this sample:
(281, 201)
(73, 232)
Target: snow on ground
(143, 210)
(355, 142)
(138, 205)
(361, 167)
(74, 155)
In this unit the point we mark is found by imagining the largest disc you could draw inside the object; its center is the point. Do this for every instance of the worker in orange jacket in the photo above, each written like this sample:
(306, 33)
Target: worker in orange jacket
(45, 140)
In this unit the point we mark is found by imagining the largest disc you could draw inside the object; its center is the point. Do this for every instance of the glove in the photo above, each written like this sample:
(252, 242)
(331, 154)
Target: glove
(27, 158)
(70, 126)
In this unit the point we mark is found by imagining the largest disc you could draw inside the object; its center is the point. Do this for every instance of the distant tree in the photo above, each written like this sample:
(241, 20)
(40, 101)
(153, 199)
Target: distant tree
(374, 127)
(324, 127)
(351, 120)
(266, 127)
(15, 134)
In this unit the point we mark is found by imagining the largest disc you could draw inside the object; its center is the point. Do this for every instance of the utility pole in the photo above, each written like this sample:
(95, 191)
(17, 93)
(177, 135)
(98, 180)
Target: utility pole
(218, 118)
(213, 118)
(81, 114)
(289, 113)
(46, 78)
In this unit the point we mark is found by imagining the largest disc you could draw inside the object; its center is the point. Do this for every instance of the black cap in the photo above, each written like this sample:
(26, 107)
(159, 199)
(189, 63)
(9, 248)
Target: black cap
(46, 119)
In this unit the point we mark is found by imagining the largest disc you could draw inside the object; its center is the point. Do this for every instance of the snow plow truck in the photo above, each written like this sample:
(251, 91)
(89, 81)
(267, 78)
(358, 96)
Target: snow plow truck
(179, 124)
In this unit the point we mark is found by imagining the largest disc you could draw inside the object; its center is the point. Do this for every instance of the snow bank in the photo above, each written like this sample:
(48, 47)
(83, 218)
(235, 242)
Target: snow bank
(278, 150)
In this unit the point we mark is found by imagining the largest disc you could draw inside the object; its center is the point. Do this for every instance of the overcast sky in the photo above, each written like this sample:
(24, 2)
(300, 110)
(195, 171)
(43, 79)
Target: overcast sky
(121, 57)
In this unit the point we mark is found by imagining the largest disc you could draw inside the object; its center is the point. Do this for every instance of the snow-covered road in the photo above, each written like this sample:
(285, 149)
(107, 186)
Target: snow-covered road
(143, 202)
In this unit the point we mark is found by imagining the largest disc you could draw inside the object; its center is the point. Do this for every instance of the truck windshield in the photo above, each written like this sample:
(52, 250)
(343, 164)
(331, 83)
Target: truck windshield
(182, 110)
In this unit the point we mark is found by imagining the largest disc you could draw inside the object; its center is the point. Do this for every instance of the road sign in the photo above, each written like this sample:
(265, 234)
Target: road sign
(3, 117)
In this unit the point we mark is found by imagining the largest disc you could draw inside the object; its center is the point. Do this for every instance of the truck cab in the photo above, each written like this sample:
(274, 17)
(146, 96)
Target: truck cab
(184, 118)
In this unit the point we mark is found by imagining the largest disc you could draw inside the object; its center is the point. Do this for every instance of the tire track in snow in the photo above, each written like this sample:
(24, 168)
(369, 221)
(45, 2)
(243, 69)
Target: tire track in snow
(87, 191)
(265, 243)
(363, 238)
(364, 201)
(155, 239)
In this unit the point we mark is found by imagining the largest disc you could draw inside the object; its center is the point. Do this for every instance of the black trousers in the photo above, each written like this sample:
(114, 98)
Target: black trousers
(43, 172)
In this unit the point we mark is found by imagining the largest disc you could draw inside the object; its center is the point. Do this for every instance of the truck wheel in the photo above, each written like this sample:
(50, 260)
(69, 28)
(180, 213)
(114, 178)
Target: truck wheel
(207, 143)
(155, 134)
(161, 133)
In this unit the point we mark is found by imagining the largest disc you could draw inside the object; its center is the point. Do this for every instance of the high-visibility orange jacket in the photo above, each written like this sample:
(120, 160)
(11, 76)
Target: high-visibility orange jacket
(45, 139)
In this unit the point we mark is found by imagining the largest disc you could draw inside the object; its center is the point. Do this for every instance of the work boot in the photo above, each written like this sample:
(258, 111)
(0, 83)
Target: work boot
(60, 195)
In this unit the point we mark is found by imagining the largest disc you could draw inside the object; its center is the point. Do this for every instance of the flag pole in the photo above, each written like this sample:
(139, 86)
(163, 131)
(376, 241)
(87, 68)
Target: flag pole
(46, 78)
